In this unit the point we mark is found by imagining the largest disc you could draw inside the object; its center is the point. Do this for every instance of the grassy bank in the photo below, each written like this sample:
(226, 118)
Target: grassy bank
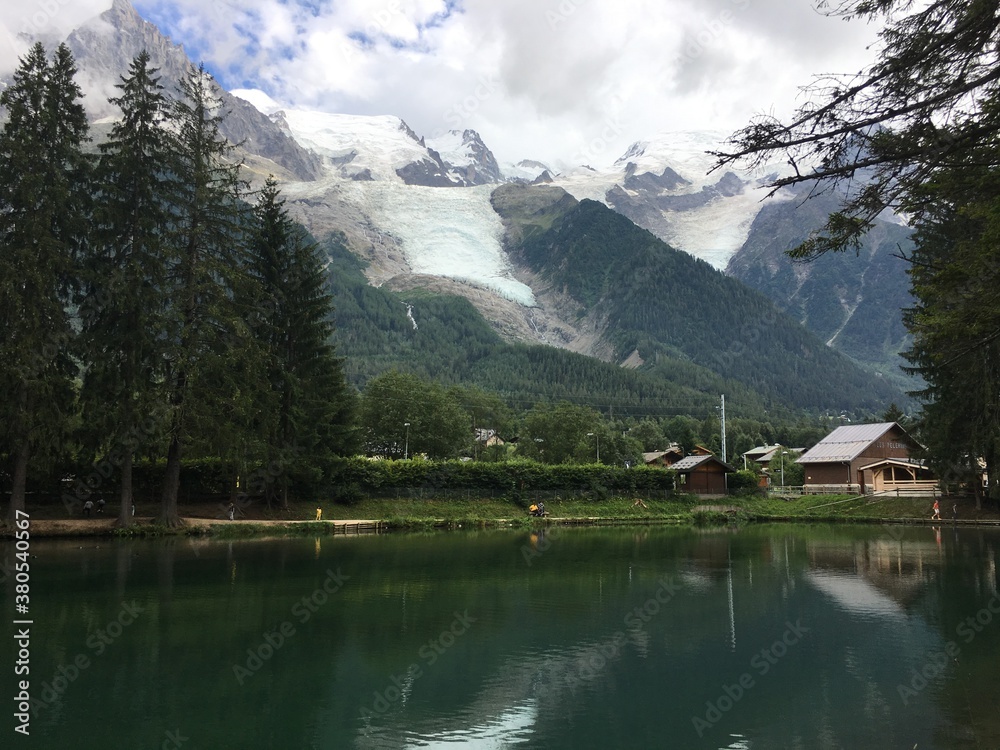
(413, 514)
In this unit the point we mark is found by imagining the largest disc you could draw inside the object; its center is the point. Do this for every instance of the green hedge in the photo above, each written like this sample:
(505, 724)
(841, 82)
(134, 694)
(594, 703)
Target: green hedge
(368, 477)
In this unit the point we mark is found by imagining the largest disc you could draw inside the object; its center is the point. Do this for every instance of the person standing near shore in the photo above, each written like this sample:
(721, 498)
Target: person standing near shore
(937, 511)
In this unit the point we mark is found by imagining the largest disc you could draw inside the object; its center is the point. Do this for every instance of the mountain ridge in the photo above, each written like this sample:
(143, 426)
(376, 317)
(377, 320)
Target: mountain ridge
(412, 213)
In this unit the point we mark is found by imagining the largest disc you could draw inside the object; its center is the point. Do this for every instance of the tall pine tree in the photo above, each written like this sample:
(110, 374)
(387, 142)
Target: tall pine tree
(123, 315)
(205, 270)
(44, 196)
(308, 411)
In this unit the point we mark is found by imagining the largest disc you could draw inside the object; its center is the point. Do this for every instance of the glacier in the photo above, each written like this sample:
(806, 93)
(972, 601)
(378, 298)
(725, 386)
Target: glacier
(452, 233)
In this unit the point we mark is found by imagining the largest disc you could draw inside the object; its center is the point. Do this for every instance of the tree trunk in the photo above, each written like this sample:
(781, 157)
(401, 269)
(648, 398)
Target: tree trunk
(20, 480)
(22, 453)
(171, 486)
(126, 501)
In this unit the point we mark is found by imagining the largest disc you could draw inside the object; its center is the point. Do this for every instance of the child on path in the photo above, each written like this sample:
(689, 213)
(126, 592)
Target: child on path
(937, 511)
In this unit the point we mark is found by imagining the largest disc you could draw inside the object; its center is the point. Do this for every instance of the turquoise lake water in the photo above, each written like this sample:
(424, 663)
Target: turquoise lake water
(760, 637)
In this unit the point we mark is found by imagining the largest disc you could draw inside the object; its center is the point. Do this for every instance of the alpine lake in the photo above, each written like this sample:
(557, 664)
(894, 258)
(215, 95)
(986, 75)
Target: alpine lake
(761, 636)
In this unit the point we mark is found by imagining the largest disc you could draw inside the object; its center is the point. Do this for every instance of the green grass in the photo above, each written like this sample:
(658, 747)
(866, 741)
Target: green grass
(491, 510)
(471, 513)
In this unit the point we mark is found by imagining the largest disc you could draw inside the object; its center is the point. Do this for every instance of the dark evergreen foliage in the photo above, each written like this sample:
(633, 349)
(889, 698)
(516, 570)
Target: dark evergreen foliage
(125, 274)
(306, 414)
(44, 196)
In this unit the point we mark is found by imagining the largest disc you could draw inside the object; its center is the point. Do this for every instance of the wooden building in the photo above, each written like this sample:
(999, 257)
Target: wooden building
(844, 461)
(702, 475)
(904, 476)
(664, 458)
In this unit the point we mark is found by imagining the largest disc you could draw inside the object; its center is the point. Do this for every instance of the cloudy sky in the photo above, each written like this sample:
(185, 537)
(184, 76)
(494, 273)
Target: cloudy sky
(564, 81)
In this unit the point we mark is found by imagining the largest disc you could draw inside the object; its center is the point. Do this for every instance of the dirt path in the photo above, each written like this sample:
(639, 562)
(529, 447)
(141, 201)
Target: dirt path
(106, 526)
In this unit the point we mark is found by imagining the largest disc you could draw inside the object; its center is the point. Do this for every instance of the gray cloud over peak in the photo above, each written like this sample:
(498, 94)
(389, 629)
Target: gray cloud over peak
(542, 79)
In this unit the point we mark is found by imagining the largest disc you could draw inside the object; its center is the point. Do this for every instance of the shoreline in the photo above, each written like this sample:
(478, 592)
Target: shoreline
(146, 528)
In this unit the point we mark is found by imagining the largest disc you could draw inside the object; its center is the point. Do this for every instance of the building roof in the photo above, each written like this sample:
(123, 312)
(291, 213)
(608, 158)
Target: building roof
(760, 451)
(778, 449)
(672, 450)
(911, 463)
(847, 443)
(690, 463)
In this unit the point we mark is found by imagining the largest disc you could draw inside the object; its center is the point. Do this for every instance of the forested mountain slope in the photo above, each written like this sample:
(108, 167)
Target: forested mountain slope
(445, 338)
(664, 307)
(852, 301)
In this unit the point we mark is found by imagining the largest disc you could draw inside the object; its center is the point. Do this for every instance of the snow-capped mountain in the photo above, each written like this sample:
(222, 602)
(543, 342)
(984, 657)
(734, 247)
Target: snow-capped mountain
(666, 186)
(418, 209)
(384, 187)
(104, 48)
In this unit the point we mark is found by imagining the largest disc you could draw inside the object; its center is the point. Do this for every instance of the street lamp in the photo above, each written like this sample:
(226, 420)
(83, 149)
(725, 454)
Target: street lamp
(406, 445)
(598, 437)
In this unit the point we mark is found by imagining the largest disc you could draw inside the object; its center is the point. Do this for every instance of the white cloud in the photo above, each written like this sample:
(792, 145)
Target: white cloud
(558, 80)
(26, 20)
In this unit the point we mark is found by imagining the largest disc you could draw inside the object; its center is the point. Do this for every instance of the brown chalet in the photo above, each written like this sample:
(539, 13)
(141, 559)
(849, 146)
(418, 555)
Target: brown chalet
(844, 460)
(702, 475)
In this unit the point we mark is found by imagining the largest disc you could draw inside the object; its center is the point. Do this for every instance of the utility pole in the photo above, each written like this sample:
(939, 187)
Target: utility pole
(723, 420)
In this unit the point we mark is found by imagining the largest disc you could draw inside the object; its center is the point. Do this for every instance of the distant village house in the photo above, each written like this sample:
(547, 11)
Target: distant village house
(702, 475)
(864, 459)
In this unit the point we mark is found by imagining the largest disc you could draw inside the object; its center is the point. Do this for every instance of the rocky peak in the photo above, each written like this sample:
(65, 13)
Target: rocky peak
(104, 49)
(409, 131)
(487, 170)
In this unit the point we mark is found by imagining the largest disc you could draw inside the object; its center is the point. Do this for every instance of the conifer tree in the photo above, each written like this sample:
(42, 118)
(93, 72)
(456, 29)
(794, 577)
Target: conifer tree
(307, 411)
(205, 270)
(44, 189)
(123, 312)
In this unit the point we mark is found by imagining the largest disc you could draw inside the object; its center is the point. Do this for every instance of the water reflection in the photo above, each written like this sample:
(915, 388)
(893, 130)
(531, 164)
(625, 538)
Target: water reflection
(737, 638)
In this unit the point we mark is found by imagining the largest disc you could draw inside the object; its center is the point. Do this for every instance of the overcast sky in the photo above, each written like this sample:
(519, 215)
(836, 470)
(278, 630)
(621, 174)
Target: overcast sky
(563, 81)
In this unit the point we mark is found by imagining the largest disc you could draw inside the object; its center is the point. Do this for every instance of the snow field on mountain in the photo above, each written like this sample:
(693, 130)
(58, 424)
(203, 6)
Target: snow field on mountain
(715, 232)
(452, 148)
(382, 146)
(449, 232)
